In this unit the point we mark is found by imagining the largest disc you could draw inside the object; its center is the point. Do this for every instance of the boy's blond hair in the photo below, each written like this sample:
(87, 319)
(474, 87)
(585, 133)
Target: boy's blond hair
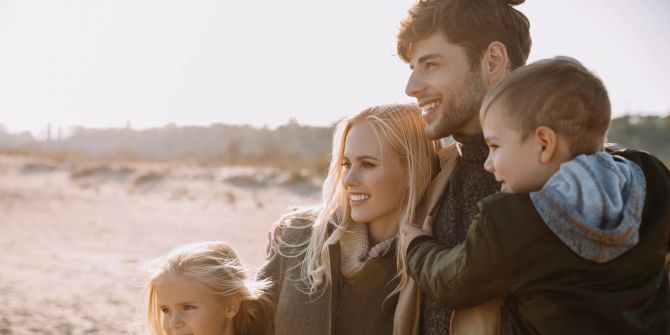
(559, 93)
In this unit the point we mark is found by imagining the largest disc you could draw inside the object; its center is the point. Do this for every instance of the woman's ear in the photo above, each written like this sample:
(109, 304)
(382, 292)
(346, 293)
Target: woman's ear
(548, 142)
(232, 306)
(495, 63)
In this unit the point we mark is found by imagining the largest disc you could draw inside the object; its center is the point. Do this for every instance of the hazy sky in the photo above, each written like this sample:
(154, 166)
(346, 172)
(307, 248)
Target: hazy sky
(102, 63)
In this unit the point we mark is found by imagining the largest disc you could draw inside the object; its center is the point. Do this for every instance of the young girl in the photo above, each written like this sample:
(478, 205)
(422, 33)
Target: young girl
(335, 268)
(203, 289)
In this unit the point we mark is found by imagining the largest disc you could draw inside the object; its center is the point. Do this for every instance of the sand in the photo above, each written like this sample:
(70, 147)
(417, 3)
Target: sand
(76, 239)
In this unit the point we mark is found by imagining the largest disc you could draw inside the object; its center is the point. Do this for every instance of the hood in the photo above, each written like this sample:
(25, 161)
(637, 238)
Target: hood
(594, 205)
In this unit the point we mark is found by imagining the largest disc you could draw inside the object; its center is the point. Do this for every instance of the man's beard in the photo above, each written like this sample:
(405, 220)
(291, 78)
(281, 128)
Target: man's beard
(459, 109)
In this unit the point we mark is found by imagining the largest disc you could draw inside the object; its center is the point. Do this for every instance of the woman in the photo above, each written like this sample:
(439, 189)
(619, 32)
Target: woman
(335, 268)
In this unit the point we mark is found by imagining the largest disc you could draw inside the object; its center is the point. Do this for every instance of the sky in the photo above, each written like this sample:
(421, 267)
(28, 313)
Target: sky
(148, 63)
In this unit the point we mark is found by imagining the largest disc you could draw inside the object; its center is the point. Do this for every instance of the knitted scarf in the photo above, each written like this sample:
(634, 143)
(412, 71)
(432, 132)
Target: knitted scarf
(355, 249)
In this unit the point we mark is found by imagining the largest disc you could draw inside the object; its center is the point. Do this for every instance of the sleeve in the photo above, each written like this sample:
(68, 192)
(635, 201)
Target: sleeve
(272, 270)
(464, 276)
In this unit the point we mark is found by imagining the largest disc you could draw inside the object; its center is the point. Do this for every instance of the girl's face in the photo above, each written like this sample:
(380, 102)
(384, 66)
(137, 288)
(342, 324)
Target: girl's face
(373, 177)
(190, 308)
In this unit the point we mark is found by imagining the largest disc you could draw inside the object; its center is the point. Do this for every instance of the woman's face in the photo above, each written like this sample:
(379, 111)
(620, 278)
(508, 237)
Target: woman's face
(373, 177)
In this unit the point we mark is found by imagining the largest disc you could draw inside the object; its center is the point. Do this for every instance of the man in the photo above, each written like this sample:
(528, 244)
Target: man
(457, 51)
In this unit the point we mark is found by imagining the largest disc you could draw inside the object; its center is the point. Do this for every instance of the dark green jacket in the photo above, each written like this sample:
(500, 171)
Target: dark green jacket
(510, 254)
(359, 306)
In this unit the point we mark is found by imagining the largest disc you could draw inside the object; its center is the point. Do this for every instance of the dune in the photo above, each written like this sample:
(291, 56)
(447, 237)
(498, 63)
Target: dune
(77, 240)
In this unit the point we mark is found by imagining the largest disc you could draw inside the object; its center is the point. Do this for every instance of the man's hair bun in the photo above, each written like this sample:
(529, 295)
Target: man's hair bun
(513, 2)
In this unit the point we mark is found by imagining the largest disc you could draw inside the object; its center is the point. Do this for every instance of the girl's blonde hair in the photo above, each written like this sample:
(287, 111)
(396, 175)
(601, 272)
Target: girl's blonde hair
(402, 128)
(216, 266)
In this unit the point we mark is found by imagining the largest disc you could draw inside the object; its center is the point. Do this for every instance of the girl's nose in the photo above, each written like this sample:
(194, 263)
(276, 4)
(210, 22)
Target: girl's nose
(176, 321)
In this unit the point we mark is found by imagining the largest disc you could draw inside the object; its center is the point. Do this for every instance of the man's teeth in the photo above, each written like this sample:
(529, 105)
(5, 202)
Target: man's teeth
(432, 105)
(359, 197)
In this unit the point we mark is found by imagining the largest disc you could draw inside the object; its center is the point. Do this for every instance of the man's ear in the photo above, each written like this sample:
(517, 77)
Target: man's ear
(495, 63)
(232, 306)
(548, 142)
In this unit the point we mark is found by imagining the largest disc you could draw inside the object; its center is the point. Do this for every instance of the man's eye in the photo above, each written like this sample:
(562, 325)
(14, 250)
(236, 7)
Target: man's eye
(428, 66)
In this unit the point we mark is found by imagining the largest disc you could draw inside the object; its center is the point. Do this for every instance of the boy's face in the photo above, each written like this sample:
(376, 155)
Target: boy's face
(514, 161)
(448, 91)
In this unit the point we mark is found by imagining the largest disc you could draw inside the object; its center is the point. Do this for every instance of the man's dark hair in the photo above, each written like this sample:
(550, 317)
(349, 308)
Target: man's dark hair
(472, 24)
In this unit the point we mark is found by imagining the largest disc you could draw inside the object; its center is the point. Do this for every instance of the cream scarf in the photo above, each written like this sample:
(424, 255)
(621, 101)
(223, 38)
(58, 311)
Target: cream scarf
(355, 249)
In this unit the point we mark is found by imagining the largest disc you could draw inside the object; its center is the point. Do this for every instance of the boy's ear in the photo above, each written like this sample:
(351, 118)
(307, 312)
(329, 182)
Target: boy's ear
(232, 306)
(494, 63)
(548, 141)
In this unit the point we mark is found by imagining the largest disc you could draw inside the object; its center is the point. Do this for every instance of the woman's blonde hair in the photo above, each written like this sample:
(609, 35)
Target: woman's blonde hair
(401, 127)
(216, 266)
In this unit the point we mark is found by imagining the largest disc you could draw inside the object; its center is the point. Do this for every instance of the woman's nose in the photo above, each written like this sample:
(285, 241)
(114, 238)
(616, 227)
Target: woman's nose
(350, 177)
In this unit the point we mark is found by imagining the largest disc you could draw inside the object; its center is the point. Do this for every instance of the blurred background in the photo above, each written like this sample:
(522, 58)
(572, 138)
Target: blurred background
(129, 127)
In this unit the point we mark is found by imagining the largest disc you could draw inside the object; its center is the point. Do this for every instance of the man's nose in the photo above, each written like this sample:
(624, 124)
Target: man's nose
(414, 85)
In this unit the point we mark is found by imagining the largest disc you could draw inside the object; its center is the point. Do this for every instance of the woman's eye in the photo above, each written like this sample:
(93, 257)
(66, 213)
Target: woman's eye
(189, 307)
(346, 164)
(165, 310)
(368, 165)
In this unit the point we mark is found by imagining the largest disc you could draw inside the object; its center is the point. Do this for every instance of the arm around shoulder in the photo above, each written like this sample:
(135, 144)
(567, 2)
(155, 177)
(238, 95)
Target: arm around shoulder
(464, 276)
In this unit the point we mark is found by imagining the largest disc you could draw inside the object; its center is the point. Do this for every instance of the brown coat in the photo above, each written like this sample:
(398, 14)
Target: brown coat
(298, 313)
(483, 319)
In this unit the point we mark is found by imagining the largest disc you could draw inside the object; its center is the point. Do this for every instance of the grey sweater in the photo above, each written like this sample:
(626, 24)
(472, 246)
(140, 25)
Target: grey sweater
(468, 184)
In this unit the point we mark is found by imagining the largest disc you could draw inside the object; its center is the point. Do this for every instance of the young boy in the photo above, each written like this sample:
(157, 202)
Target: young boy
(575, 243)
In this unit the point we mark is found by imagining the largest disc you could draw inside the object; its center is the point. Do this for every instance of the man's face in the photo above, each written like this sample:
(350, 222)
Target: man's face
(448, 91)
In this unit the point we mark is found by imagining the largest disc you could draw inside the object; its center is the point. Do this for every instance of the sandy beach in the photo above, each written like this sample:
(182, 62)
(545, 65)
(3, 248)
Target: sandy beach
(77, 238)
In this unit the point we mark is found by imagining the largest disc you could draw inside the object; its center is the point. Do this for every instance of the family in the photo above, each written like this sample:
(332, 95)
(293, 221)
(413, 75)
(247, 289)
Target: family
(528, 224)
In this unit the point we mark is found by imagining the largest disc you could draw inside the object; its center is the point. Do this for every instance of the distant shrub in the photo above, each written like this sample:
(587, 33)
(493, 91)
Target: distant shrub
(147, 178)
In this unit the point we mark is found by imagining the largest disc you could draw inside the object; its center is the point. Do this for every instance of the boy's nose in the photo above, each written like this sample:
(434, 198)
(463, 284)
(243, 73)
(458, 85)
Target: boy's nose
(488, 164)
